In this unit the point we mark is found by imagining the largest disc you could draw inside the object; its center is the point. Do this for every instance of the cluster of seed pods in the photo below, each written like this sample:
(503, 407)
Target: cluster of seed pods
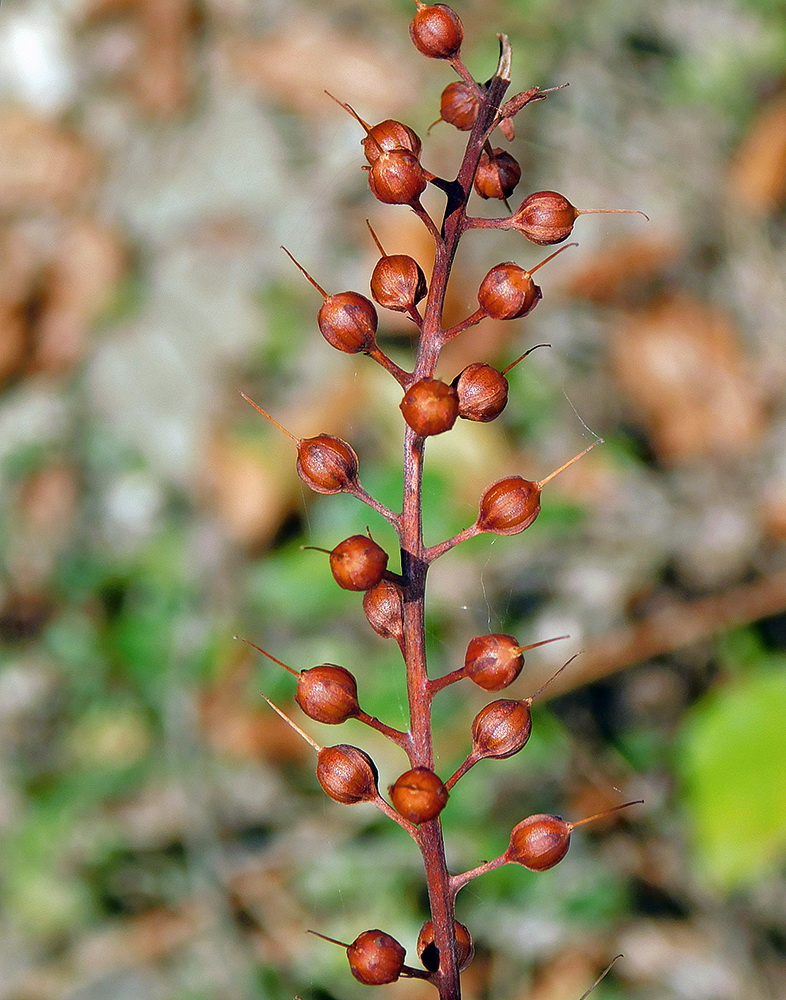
(349, 322)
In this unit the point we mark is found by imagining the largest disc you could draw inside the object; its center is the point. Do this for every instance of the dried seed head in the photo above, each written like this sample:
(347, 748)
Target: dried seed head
(396, 177)
(508, 291)
(501, 729)
(459, 106)
(419, 795)
(512, 504)
(497, 174)
(482, 392)
(547, 217)
(493, 661)
(436, 31)
(429, 953)
(376, 958)
(542, 841)
(384, 609)
(398, 283)
(347, 774)
(327, 693)
(430, 406)
(358, 563)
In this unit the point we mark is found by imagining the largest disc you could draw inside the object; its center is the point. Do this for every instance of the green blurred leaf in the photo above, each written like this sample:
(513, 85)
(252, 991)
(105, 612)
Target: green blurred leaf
(731, 762)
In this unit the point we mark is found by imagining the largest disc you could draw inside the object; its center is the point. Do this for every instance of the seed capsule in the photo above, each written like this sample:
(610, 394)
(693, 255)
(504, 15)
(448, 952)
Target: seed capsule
(384, 609)
(501, 729)
(429, 953)
(397, 178)
(375, 958)
(419, 795)
(347, 774)
(347, 320)
(326, 464)
(397, 282)
(548, 217)
(482, 392)
(510, 505)
(436, 31)
(493, 661)
(328, 693)
(497, 174)
(430, 407)
(508, 291)
(542, 841)
(459, 106)
(358, 563)
(388, 135)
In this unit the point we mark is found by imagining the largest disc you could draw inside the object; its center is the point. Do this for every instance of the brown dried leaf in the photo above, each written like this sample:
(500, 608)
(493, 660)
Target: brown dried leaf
(620, 271)
(41, 164)
(88, 263)
(680, 363)
(162, 82)
(290, 66)
(757, 177)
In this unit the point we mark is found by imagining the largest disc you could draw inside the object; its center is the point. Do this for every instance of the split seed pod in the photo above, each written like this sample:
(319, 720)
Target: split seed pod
(436, 31)
(429, 953)
(430, 406)
(501, 729)
(547, 217)
(542, 841)
(419, 795)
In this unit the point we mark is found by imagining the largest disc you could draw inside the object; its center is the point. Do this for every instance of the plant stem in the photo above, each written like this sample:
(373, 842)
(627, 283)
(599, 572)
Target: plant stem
(415, 558)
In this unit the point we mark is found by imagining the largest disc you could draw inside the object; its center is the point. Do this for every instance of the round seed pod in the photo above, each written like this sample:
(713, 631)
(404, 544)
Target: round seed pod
(539, 842)
(429, 953)
(388, 135)
(546, 217)
(384, 609)
(508, 292)
(493, 661)
(398, 282)
(497, 174)
(459, 106)
(436, 31)
(397, 178)
(419, 795)
(327, 464)
(347, 774)
(376, 958)
(358, 563)
(482, 392)
(348, 322)
(430, 406)
(501, 729)
(328, 693)
(509, 506)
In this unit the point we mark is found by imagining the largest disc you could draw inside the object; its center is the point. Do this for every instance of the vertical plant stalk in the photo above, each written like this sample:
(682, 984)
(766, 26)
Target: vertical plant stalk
(395, 604)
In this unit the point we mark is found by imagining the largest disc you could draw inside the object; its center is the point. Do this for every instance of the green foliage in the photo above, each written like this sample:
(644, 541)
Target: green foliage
(731, 765)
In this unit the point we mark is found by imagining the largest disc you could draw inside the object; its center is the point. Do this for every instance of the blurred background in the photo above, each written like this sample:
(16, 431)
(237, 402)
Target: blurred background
(163, 835)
